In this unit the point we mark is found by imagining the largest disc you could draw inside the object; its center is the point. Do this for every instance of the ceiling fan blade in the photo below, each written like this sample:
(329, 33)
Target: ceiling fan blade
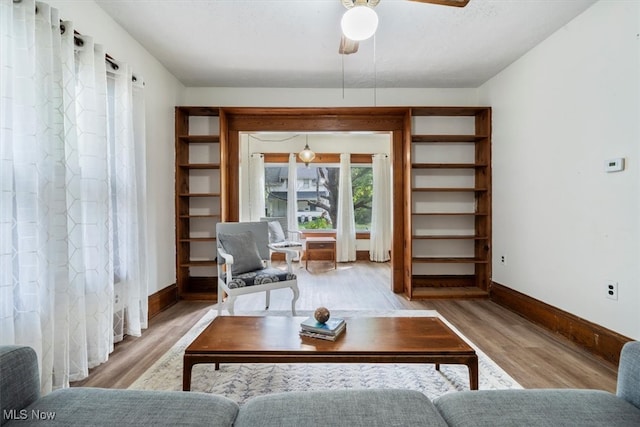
(347, 46)
(456, 3)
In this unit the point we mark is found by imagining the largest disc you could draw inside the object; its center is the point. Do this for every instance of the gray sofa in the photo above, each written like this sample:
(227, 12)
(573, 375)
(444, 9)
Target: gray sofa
(21, 404)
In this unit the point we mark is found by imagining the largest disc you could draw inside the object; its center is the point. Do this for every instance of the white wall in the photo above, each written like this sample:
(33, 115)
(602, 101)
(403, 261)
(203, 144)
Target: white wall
(162, 93)
(562, 223)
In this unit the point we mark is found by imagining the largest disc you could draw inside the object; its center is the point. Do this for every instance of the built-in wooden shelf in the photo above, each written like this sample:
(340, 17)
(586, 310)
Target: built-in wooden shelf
(199, 139)
(426, 139)
(449, 214)
(199, 166)
(199, 194)
(198, 239)
(449, 237)
(450, 260)
(462, 156)
(447, 189)
(196, 262)
(206, 263)
(448, 292)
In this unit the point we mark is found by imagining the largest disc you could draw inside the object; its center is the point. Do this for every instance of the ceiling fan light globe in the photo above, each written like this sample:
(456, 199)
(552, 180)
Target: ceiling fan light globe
(359, 23)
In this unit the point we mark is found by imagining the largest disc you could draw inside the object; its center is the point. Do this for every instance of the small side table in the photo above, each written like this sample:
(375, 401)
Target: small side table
(319, 245)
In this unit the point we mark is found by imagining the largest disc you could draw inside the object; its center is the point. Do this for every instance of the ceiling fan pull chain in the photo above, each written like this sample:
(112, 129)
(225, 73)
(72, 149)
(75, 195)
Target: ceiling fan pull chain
(342, 76)
(375, 74)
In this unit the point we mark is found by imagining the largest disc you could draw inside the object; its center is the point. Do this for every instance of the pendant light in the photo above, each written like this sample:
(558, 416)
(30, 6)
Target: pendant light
(306, 155)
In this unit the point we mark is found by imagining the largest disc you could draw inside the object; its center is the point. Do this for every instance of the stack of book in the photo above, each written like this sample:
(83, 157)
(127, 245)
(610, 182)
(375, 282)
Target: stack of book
(330, 330)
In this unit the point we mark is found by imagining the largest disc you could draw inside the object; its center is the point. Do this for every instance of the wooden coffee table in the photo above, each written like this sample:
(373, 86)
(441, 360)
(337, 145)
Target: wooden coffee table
(275, 339)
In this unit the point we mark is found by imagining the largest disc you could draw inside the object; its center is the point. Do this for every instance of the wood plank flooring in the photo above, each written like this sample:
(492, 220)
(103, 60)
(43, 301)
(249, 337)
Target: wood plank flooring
(533, 356)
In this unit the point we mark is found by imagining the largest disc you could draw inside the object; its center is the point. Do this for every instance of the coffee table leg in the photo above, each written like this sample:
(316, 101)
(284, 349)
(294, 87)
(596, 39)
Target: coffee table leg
(472, 364)
(217, 366)
(473, 373)
(186, 374)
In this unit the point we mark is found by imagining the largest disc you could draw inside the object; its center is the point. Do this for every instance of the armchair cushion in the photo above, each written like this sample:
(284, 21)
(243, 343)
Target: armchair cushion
(259, 277)
(276, 233)
(243, 248)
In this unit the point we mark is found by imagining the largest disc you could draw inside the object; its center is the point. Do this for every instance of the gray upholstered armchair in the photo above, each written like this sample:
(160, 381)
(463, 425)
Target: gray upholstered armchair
(244, 264)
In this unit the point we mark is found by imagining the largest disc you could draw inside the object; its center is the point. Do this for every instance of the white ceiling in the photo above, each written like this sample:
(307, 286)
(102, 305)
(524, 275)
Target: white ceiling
(294, 43)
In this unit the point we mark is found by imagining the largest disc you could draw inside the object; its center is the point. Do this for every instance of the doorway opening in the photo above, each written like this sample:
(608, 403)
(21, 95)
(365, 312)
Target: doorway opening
(392, 121)
(265, 190)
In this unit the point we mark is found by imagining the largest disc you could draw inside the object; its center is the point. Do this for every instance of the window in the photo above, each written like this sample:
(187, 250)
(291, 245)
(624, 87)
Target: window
(362, 187)
(317, 194)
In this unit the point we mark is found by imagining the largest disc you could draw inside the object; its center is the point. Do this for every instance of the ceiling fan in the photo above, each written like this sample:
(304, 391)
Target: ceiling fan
(360, 21)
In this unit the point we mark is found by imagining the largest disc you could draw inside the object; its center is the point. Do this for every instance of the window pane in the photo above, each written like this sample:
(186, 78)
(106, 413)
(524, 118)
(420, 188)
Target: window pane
(317, 195)
(315, 207)
(275, 180)
(313, 191)
(362, 187)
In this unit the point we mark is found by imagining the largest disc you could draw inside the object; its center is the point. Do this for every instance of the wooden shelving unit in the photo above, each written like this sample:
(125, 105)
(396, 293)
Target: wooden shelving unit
(450, 192)
(198, 200)
(442, 178)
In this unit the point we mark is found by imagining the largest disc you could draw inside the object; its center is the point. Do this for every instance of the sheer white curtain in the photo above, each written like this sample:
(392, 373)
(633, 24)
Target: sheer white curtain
(380, 237)
(292, 194)
(56, 204)
(127, 173)
(91, 204)
(137, 288)
(346, 227)
(256, 186)
(32, 178)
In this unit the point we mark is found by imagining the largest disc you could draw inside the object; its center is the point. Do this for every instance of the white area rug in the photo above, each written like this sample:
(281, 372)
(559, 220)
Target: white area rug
(240, 382)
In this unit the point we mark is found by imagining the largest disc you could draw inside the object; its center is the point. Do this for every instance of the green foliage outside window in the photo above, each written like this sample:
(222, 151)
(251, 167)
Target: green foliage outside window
(326, 201)
(362, 187)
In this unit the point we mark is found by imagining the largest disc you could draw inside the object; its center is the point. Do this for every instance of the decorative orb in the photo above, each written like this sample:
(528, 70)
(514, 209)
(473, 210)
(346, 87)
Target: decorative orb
(322, 314)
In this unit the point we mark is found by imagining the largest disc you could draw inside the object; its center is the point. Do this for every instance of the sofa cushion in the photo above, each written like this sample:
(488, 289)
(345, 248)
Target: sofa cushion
(542, 407)
(109, 407)
(353, 408)
(629, 373)
(19, 380)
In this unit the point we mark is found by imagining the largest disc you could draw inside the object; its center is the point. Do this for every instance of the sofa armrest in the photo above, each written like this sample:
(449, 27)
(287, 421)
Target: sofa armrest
(19, 379)
(629, 373)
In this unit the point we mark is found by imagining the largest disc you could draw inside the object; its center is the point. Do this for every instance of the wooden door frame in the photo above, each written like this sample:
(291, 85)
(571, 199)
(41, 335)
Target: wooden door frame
(395, 120)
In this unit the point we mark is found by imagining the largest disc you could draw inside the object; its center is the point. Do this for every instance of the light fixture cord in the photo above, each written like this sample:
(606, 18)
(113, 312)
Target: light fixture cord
(375, 85)
(343, 76)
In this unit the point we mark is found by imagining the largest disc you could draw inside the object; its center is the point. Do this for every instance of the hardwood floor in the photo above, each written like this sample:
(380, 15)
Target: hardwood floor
(533, 356)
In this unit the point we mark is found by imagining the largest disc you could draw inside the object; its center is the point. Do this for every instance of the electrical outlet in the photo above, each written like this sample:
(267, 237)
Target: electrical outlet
(503, 259)
(612, 289)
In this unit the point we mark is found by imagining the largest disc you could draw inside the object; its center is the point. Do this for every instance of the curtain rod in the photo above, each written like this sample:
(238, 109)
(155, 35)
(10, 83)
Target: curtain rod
(77, 39)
